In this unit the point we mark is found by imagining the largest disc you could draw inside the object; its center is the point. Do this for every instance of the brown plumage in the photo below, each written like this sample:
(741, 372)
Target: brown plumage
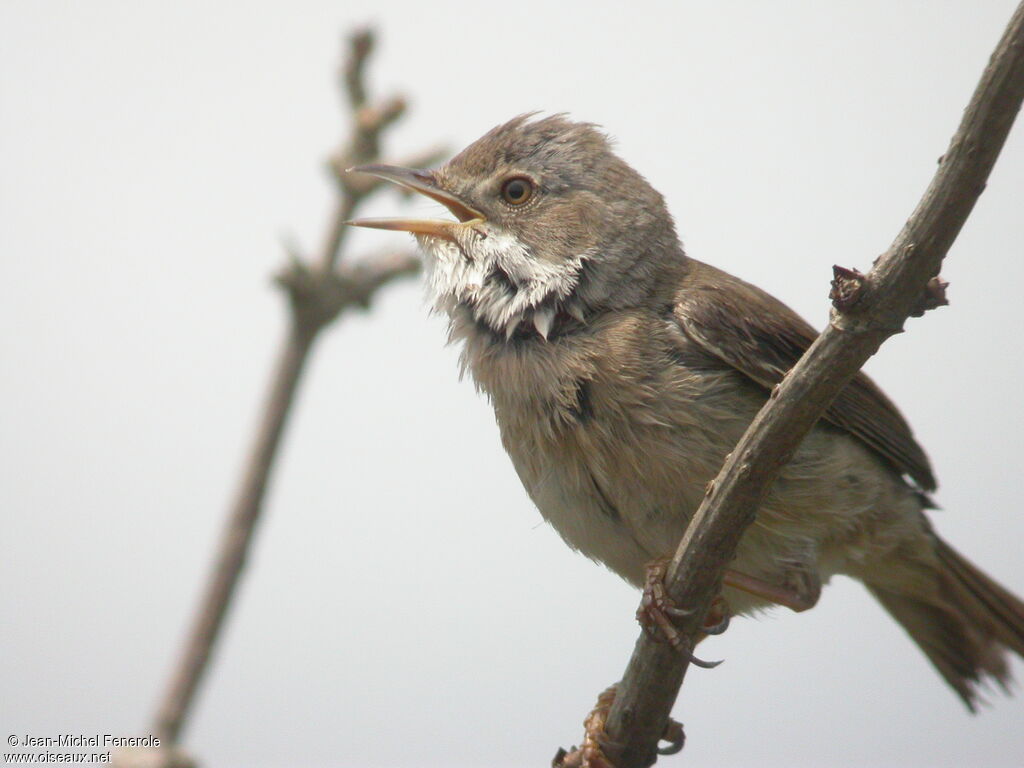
(622, 372)
(767, 344)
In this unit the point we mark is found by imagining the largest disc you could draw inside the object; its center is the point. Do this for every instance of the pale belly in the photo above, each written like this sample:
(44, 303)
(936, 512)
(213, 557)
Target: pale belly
(622, 491)
(617, 434)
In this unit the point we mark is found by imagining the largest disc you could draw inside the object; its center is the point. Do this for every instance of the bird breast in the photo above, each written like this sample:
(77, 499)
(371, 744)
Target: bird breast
(613, 442)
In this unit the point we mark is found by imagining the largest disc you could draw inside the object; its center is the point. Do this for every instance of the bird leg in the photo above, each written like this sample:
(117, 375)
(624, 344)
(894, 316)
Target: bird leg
(657, 613)
(591, 753)
(799, 592)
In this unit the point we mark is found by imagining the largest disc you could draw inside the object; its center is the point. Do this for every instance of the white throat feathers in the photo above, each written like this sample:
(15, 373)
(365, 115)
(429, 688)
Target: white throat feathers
(500, 281)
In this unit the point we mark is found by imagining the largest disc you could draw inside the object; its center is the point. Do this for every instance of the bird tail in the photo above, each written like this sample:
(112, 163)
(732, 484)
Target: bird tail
(965, 626)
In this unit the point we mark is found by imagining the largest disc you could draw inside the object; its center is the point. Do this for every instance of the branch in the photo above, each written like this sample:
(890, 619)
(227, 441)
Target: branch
(317, 297)
(318, 293)
(867, 310)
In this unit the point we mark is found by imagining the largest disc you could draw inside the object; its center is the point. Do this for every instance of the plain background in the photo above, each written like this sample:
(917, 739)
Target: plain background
(405, 605)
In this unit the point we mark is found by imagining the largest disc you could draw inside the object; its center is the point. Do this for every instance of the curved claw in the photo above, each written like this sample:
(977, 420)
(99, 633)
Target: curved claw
(719, 628)
(656, 614)
(703, 664)
(675, 737)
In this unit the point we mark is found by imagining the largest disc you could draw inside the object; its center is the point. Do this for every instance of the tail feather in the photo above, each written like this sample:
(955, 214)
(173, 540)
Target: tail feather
(965, 626)
(990, 603)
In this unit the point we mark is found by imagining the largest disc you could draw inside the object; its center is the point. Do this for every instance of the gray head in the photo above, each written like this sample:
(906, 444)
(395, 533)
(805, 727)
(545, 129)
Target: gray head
(552, 228)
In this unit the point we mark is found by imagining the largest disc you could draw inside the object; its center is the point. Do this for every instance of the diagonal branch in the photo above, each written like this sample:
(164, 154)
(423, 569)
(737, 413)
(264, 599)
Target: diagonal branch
(868, 309)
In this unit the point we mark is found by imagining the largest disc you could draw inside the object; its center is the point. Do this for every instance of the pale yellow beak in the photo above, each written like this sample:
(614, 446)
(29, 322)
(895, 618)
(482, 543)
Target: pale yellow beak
(424, 183)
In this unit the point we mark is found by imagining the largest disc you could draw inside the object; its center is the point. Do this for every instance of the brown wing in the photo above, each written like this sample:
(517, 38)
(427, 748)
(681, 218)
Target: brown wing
(761, 337)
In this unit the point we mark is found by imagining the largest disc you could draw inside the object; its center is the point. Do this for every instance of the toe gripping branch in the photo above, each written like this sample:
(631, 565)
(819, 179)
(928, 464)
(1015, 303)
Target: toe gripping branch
(591, 754)
(657, 614)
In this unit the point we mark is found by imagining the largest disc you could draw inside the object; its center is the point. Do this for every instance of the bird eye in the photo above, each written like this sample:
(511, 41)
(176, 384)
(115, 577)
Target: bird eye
(517, 191)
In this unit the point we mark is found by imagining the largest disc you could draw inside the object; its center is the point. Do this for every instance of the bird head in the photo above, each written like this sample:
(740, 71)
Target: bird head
(551, 227)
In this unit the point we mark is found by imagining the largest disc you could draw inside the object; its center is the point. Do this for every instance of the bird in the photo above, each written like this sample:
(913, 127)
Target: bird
(622, 372)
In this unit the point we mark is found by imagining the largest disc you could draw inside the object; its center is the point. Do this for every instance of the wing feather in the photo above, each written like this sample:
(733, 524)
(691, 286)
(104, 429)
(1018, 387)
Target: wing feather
(761, 337)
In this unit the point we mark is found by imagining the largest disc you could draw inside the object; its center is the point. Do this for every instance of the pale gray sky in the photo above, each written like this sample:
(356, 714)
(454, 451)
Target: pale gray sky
(405, 605)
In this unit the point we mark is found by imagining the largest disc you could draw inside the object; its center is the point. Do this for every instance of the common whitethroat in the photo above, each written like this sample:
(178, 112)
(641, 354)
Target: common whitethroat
(623, 371)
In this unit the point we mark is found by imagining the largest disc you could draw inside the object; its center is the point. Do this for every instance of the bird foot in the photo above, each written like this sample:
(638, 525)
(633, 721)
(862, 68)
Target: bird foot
(657, 613)
(591, 753)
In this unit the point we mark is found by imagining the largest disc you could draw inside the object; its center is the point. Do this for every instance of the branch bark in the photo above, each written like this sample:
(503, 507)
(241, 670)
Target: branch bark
(867, 310)
(318, 293)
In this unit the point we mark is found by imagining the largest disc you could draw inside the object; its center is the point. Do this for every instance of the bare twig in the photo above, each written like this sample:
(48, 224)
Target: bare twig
(868, 309)
(360, 44)
(317, 294)
(317, 298)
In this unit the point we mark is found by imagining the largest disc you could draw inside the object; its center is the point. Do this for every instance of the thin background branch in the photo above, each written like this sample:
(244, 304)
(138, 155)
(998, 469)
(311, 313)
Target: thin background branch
(318, 293)
(867, 310)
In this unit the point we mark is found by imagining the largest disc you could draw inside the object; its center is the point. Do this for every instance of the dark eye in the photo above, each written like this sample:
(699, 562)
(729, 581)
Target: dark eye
(517, 191)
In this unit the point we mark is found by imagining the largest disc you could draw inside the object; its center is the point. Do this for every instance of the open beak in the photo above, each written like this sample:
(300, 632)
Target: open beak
(424, 183)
